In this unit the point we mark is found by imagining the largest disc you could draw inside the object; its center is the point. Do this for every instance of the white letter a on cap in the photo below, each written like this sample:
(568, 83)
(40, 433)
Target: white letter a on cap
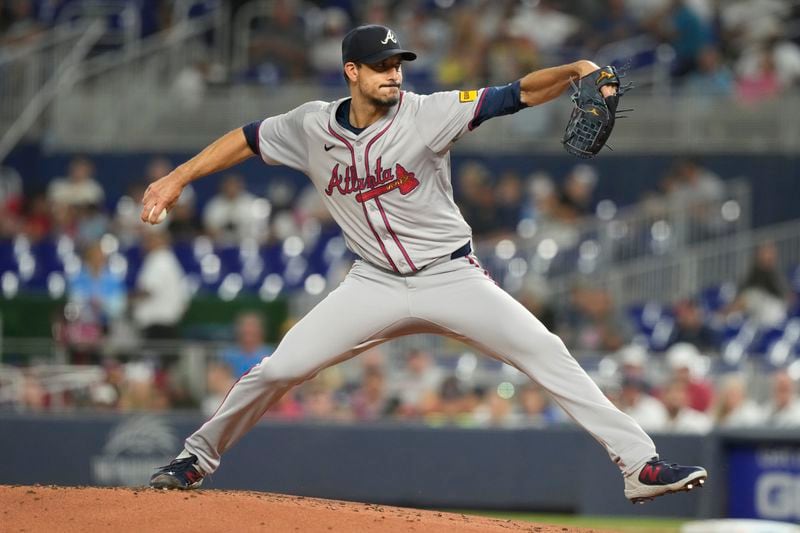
(389, 37)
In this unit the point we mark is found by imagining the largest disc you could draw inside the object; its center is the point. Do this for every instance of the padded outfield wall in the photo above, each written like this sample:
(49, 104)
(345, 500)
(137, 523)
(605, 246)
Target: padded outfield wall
(559, 469)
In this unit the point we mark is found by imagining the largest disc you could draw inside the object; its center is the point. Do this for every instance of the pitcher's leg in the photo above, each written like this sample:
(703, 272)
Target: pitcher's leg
(348, 321)
(487, 317)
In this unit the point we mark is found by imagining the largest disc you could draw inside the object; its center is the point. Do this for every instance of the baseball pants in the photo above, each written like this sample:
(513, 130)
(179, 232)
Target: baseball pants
(450, 297)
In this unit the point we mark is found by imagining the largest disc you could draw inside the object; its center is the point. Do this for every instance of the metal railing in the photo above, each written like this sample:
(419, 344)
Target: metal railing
(60, 80)
(675, 276)
(160, 82)
(25, 69)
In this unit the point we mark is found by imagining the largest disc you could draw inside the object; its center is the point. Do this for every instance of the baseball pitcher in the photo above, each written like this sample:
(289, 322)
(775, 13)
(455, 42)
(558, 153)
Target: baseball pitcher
(380, 159)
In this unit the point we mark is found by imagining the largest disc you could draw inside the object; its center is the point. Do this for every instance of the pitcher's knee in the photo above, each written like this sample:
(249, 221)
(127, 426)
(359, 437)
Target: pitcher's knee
(282, 371)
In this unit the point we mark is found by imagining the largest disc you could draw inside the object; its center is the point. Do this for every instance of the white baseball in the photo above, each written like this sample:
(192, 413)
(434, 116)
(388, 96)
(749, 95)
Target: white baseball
(161, 217)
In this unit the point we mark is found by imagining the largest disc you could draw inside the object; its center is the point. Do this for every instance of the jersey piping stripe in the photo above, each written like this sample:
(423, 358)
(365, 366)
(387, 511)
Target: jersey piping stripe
(471, 125)
(377, 200)
(394, 236)
(363, 205)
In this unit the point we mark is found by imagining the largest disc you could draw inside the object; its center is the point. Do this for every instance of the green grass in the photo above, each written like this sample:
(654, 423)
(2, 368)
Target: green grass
(609, 523)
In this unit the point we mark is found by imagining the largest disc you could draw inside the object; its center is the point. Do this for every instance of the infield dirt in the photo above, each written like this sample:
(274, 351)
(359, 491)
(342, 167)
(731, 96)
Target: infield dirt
(80, 509)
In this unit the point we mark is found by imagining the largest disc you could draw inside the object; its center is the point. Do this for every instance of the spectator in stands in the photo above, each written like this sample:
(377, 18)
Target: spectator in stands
(288, 407)
(370, 401)
(231, 215)
(92, 223)
(776, 57)
(544, 25)
(784, 409)
(615, 23)
(278, 47)
(631, 360)
(690, 183)
(576, 195)
(535, 407)
(18, 24)
(733, 408)
(681, 418)
(161, 296)
(69, 195)
(250, 346)
(11, 201)
(684, 361)
(79, 188)
(476, 200)
(127, 223)
(508, 54)
(416, 384)
(219, 381)
(139, 391)
(37, 220)
(462, 62)
(494, 411)
(542, 200)
(683, 28)
(712, 79)
(33, 397)
(764, 294)
(96, 297)
(760, 82)
(452, 404)
(592, 323)
(325, 52)
(642, 407)
(320, 403)
(508, 198)
(692, 327)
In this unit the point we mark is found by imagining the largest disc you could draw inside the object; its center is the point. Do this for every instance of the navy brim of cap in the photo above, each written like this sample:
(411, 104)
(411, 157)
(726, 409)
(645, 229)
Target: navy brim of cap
(406, 55)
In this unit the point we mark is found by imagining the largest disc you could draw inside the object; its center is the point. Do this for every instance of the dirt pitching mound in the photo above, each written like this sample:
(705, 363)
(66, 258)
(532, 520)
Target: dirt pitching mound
(80, 509)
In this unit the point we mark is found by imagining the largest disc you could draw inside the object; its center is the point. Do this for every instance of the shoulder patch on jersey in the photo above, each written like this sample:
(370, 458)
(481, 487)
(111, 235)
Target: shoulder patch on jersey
(467, 96)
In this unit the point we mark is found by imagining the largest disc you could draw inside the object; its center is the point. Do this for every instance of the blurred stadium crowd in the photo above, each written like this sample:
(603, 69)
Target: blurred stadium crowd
(743, 48)
(106, 303)
(659, 361)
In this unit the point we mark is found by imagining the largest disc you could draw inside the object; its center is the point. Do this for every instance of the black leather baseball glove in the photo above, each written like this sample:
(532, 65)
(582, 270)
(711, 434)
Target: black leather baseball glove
(593, 117)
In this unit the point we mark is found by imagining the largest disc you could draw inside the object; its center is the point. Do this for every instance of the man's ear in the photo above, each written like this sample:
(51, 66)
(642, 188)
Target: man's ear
(351, 71)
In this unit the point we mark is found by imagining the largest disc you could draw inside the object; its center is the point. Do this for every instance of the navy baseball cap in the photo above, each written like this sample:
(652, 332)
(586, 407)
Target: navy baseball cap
(372, 44)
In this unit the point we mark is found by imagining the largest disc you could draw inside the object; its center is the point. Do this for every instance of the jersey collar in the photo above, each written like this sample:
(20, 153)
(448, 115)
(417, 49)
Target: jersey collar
(369, 130)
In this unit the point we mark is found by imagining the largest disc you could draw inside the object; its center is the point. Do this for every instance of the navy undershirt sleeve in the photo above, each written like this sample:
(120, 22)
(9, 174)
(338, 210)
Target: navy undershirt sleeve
(498, 101)
(251, 135)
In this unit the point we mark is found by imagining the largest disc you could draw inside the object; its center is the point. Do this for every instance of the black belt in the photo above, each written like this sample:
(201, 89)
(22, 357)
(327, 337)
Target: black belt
(462, 252)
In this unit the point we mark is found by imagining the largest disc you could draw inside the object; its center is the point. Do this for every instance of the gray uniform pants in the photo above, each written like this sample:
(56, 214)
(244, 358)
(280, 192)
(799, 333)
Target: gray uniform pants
(451, 297)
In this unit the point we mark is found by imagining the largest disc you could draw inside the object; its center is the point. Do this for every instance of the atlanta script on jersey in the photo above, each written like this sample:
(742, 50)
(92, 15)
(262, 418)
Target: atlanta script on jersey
(389, 187)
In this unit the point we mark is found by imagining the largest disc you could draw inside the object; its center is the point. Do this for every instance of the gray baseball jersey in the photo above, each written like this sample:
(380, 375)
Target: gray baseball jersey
(389, 189)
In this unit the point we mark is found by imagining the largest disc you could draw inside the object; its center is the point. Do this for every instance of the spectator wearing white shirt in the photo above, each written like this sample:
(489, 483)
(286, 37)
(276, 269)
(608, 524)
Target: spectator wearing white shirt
(161, 296)
(733, 408)
(234, 213)
(416, 385)
(78, 188)
(642, 407)
(784, 410)
(680, 417)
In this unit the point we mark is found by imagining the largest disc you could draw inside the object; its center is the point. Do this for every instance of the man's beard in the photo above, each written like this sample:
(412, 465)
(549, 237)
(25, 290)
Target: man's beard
(386, 102)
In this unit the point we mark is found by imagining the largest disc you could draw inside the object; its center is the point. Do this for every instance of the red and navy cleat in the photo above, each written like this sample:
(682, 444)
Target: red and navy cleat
(179, 474)
(656, 478)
